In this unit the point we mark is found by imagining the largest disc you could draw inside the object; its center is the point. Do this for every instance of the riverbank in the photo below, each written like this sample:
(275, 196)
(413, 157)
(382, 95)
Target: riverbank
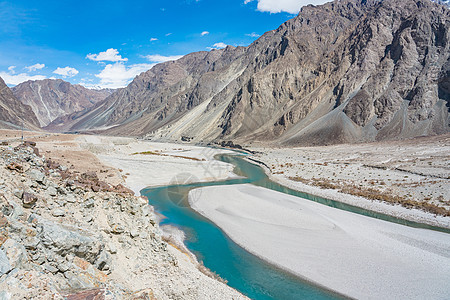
(352, 254)
(405, 179)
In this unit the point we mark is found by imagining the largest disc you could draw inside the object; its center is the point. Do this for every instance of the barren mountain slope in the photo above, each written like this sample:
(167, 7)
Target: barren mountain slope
(13, 113)
(52, 98)
(158, 96)
(346, 71)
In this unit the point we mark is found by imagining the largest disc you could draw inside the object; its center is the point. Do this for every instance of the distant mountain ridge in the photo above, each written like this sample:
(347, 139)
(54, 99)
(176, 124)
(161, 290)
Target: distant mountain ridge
(13, 113)
(52, 98)
(346, 71)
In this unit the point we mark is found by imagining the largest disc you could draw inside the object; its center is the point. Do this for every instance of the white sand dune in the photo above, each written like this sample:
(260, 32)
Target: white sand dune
(352, 254)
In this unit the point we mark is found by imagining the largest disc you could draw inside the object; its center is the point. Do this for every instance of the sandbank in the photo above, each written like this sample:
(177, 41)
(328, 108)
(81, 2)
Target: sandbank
(358, 256)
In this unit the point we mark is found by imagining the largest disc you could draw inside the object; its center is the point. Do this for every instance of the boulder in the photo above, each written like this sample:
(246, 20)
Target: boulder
(64, 241)
(14, 166)
(29, 200)
(52, 191)
(37, 176)
(5, 266)
(58, 213)
(18, 193)
(4, 295)
(16, 253)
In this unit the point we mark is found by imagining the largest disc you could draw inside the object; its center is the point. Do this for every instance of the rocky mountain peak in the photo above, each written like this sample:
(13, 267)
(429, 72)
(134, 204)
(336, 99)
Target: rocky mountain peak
(13, 113)
(345, 71)
(52, 98)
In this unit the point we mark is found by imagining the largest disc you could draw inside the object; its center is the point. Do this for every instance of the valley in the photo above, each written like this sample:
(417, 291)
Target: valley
(308, 160)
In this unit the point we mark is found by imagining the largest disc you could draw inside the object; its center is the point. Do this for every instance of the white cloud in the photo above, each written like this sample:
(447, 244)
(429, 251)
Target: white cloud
(156, 58)
(109, 55)
(12, 79)
(153, 39)
(217, 46)
(35, 67)
(118, 75)
(205, 33)
(11, 69)
(253, 34)
(289, 6)
(170, 33)
(66, 72)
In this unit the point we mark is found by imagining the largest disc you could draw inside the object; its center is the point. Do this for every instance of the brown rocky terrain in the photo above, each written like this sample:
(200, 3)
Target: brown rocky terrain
(68, 234)
(13, 113)
(346, 71)
(52, 98)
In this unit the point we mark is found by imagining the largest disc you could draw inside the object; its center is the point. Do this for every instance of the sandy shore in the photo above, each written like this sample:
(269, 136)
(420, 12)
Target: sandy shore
(355, 255)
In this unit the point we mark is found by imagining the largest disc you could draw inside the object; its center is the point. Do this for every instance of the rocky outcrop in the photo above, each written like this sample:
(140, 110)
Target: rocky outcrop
(65, 235)
(13, 113)
(52, 98)
(345, 71)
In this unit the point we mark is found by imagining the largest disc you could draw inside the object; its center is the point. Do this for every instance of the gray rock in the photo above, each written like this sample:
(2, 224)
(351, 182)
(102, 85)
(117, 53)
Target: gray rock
(103, 261)
(52, 191)
(58, 213)
(4, 295)
(52, 269)
(18, 193)
(7, 210)
(5, 266)
(56, 175)
(63, 241)
(33, 219)
(31, 243)
(17, 211)
(146, 210)
(70, 198)
(39, 259)
(77, 282)
(37, 176)
(112, 248)
(16, 253)
(62, 264)
(134, 233)
(89, 203)
(61, 190)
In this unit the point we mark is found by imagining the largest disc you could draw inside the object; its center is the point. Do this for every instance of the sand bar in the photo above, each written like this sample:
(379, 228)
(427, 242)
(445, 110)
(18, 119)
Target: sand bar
(355, 255)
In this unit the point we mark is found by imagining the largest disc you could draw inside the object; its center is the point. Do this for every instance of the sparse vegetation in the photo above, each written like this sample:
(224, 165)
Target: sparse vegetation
(374, 194)
(162, 154)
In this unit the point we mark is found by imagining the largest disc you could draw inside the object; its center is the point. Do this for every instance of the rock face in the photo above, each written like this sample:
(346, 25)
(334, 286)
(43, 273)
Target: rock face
(13, 113)
(345, 71)
(65, 235)
(52, 98)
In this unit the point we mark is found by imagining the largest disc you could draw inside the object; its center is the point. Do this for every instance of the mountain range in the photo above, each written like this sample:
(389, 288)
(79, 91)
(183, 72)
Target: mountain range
(13, 113)
(52, 98)
(343, 72)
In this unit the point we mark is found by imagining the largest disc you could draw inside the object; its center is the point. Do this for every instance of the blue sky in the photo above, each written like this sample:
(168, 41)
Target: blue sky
(108, 43)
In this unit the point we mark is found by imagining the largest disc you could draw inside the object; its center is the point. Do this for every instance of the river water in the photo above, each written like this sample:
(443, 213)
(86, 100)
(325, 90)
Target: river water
(243, 271)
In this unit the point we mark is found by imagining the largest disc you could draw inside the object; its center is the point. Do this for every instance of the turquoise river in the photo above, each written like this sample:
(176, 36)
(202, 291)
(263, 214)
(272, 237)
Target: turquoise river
(243, 271)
